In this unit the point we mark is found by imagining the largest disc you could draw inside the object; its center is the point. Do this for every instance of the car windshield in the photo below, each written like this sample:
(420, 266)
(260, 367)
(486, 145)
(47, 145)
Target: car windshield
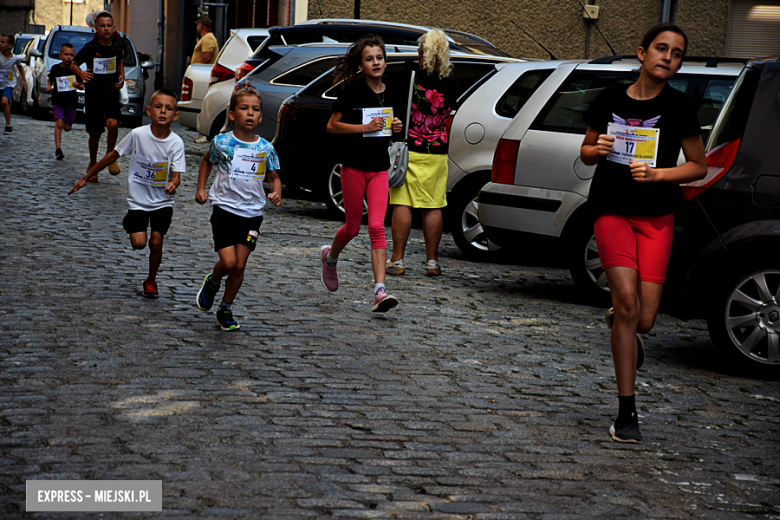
(77, 39)
(19, 44)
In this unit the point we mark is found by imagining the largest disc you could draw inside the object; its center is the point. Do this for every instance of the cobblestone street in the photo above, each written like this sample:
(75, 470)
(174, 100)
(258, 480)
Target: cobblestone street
(487, 394)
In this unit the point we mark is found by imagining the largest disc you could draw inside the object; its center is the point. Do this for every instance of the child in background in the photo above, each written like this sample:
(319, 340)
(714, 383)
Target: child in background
(63, 84)
(237, 197)
(7, 77)
(103, 78)
(364, 158)
(155, 173)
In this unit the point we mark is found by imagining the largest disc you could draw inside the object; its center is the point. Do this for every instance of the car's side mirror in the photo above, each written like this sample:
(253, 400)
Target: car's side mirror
(35, 53)
(148, 64)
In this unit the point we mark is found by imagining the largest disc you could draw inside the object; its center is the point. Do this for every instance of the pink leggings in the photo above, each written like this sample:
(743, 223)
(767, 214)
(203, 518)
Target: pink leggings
(354, 184)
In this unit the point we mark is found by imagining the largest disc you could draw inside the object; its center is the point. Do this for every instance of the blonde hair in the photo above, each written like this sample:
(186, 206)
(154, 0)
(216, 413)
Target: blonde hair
(435, 52)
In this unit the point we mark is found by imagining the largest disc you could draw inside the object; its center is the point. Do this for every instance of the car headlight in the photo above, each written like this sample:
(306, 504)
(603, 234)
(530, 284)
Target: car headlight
(133, 86)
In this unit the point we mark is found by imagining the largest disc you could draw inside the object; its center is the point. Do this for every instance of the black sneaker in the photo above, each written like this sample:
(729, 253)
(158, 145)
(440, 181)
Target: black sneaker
(59, 154)
(208, 290)
(627, 432)
(8, 130)
(225, 321)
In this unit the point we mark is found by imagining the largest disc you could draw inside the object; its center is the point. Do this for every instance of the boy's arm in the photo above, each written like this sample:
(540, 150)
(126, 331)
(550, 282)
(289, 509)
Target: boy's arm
(275, 197)
(110, 157)
(201, 196)
(170, 188)
(83, 75)
(23, 75)
(121, 74)
(48, 85)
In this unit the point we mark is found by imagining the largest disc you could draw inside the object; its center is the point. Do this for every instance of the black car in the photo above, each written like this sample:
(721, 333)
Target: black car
(726, 264)
(306, 149)
(348, 31)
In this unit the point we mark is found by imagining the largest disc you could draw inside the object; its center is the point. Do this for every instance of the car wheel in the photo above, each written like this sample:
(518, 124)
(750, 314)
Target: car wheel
(744, 318)
(334, 197)
(584, 261)
(465, 226)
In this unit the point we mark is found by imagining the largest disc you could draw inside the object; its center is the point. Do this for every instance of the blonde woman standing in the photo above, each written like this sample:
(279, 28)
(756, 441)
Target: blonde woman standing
(433, 98)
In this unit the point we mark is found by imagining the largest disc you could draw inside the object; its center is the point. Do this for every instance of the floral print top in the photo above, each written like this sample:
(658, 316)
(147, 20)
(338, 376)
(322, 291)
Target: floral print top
(433, 99)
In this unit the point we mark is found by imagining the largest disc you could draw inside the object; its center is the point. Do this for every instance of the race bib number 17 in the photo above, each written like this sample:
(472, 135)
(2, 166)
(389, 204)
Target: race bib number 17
(633, 143)
(248, 165)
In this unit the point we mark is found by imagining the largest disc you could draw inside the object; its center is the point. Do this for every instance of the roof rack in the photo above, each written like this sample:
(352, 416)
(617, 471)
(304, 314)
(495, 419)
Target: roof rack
(711, 61)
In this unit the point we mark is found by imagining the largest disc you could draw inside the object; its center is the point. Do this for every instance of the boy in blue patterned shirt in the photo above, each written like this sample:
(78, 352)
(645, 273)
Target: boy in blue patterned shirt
(237, 199)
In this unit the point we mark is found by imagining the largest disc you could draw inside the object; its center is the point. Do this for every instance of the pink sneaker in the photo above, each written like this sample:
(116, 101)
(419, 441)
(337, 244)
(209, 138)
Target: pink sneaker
(383, 302)
(329, 277)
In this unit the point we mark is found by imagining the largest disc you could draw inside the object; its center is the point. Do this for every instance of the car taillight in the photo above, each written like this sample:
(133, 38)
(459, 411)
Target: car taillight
(719, 162)
(186, 89)
(220, 73)
(243, 69)
(505, 161)
(287, 114)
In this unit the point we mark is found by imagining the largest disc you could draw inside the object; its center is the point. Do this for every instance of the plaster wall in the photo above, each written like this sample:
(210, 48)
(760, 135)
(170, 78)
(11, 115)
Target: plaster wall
(556, 24)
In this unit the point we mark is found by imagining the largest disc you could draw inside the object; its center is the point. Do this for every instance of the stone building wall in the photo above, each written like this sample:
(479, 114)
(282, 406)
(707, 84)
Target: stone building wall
(57, 12)
(556, 24)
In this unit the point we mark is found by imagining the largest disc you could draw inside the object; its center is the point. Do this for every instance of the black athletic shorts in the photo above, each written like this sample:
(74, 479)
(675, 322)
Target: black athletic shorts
(97, 112)
(228, 229)
(138, 220)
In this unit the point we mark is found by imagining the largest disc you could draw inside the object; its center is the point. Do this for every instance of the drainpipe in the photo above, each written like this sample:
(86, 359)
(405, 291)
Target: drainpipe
(666, 11)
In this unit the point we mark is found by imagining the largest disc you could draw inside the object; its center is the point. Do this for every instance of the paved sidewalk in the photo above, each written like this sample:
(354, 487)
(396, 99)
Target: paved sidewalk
(486, 394)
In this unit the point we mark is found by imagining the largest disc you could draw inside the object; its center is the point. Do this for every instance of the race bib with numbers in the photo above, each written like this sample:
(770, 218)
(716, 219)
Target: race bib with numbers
(369, 114)
(633, 143)
(7, 75)
(149, 172)
(104, 66)
(248, 165)
(66, 83)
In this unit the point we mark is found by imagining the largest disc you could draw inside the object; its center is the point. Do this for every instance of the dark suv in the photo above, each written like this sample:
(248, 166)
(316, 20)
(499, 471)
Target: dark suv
(727, 259)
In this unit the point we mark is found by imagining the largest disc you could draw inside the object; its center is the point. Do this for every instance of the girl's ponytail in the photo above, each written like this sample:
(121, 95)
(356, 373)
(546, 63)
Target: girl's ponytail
(347, 66)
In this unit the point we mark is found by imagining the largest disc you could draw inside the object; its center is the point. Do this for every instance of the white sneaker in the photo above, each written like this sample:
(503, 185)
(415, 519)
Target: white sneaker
(396, 268)
(432, 268)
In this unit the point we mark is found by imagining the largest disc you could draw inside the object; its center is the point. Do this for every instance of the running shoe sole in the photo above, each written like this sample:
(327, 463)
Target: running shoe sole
(228, 329)
(613, 434)
(385, 305)
(322, 270)
(197, 296)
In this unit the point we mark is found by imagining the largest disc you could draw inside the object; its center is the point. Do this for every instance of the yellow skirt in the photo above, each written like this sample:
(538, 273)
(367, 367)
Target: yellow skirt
(426, 182)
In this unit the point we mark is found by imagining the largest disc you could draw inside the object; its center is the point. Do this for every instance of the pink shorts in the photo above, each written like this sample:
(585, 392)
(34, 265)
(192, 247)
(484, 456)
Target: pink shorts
(641, 243)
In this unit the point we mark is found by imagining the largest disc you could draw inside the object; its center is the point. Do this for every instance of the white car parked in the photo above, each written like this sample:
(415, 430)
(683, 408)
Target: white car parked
(200, 78)
(30, 65)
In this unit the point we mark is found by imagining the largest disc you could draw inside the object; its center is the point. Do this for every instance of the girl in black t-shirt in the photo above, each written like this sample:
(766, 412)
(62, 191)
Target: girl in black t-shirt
(364, 158)
(635, 198)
